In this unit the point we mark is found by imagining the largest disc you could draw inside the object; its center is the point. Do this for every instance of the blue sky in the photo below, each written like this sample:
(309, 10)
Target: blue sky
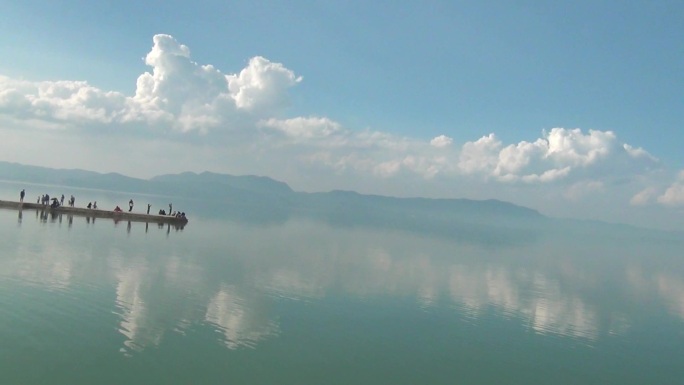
(358, 90)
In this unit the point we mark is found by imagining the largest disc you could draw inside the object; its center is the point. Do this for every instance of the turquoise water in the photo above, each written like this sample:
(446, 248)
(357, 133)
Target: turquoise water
(242, 300)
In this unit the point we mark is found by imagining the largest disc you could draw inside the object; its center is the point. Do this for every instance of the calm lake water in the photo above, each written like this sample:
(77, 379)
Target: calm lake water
(229, 299)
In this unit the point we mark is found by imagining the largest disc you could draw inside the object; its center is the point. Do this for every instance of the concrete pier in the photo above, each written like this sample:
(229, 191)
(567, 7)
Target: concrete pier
(96, 213)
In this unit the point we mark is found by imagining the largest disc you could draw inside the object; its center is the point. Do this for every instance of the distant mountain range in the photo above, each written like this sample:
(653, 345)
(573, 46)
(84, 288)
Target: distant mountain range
(256, 198)
(259, 199)
(255, 189)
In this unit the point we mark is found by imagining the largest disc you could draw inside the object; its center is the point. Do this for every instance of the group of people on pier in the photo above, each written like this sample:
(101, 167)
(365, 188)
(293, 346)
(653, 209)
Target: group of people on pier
(57, 202)
(177, 214)
(47, 201)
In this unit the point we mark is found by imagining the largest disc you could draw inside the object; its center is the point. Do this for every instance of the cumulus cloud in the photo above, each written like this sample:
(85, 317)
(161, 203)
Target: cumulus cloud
(304, 128)
(674, 195)
(178, 93)
(441, 141)
(643, 197)
(65, 101)
(480, 156)
(178, 98)
(638, 152)
(664, 190)
(262, 85)
(576, 148)
(554, 156)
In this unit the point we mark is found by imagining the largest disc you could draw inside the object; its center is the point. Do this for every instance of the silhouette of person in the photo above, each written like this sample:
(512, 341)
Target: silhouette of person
(21, 195)
(148, 208)
(130, 205)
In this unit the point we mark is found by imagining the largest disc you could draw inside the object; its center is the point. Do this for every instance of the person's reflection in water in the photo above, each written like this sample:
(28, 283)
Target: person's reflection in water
(88, 220)
(147, 227)
(60, 219)
(70, 220)
(128, 228)
(20, 217)
(168, 229)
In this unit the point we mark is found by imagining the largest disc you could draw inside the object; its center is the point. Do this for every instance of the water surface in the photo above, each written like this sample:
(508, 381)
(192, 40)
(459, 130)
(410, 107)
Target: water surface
(289, 300)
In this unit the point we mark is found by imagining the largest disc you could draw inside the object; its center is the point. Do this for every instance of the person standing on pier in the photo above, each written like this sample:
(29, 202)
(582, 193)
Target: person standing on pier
(130, 205)
(72, 201)
(61, 200)
(95, 206)
(148, 208)
(21, 195)
(170, 208)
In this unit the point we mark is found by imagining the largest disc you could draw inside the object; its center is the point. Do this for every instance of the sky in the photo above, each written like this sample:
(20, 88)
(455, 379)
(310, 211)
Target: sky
(571, 108)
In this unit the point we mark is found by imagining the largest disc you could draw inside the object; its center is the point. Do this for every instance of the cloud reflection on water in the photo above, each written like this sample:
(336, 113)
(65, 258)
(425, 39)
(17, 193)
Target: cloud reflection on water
(672, 291)
(134, 324)
(228, 276)
(242, 323)
(545, 308)
(668, 287)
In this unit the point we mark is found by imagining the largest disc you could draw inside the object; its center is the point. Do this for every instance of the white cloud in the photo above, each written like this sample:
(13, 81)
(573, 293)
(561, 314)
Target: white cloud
(304, 128)
(70, 102)
(638, 152)
(262, 85)
(441, 141)
(643, 197)
(388, 168)
(242, 119)
(674, 195)
(576, 148)
(179, 94)
(556, 155)
(480, 156)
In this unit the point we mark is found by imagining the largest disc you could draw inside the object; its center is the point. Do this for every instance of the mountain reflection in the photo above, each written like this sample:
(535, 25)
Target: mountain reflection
(228, 277)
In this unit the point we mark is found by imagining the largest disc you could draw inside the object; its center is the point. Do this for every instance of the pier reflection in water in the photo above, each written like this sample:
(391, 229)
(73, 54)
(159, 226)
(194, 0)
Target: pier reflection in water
(49, 216)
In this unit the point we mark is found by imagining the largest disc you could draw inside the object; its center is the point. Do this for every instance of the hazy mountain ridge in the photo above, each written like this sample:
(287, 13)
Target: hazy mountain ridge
(262, 190)
(36, 174)
(245, 182)
(258, 199)
(261, 199)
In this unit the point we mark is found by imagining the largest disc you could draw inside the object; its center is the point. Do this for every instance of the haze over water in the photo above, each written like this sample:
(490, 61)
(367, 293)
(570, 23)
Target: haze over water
(298, 301)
